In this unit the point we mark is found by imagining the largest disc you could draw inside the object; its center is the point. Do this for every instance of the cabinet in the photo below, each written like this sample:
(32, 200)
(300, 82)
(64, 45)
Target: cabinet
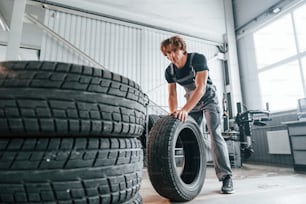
(297, 138)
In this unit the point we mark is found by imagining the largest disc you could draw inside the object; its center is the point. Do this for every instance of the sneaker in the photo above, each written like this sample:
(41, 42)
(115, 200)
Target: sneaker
(227, 187)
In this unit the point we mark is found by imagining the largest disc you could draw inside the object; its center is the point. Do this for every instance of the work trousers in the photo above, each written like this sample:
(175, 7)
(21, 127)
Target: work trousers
(218, 144)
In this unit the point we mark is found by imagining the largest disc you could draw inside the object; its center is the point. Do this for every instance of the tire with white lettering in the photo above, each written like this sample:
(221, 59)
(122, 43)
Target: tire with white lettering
(70, 170)
(168, 137)
(52, 99)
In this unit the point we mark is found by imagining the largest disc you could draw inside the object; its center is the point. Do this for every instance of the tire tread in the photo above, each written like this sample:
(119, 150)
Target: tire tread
(56, 170)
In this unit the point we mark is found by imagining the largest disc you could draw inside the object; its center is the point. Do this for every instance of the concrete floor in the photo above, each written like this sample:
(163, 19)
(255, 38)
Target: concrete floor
(254, 184)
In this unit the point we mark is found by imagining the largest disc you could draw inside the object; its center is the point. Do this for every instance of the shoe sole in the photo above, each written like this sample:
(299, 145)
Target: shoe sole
(227, 192)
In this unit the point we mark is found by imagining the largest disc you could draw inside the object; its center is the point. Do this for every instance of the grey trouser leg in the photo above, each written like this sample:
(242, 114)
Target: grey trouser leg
(218, 145)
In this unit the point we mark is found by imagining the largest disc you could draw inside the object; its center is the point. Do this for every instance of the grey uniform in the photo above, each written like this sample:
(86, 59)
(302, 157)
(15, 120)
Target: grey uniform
(207, 104)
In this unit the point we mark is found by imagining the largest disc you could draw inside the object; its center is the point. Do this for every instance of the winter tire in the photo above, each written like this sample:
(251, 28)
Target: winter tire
(177, 183)
(70, 170)
(137, 199)
(51, 99)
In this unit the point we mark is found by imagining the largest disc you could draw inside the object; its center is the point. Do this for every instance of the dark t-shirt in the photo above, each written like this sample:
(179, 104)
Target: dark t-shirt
(186, 78)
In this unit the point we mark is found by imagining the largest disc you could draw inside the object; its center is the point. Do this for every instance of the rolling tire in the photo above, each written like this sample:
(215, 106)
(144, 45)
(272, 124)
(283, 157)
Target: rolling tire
(40, 98)
(167, 134)
(70, 170)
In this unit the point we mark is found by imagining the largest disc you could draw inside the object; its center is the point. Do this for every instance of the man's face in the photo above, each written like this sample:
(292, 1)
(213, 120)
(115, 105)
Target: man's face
(174, 55)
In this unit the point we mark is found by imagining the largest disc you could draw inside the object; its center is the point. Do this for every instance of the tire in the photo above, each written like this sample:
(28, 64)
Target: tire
(52, 99)
(70, 170)
(152, 119)
(137, 199)
(165, 136)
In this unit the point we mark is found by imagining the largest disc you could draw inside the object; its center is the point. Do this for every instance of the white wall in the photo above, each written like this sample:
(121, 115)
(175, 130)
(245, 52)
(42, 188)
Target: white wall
(204, 23)
(127, 49)
(249, 76)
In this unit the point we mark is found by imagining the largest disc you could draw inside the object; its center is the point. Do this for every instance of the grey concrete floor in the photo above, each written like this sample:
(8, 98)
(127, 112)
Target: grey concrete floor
(254, 184)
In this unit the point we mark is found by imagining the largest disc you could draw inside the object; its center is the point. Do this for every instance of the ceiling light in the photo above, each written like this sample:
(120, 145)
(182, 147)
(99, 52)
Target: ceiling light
(276, 10)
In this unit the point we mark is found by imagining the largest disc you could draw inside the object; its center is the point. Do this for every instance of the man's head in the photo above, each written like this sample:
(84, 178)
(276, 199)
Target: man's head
(173, 44)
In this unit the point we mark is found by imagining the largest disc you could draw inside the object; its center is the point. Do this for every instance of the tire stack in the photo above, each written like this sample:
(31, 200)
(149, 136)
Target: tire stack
(69, 134)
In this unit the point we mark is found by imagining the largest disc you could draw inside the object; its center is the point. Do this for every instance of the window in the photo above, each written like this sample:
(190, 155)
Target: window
(275, 42)
(280, 47)
(300, 22)
(304, 71)
(282, 86)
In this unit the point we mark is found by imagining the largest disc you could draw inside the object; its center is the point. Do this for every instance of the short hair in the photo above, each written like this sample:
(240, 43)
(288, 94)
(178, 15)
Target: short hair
(176, 42)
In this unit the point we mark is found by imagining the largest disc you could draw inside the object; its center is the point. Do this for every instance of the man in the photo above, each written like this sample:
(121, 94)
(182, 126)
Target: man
(190, 70)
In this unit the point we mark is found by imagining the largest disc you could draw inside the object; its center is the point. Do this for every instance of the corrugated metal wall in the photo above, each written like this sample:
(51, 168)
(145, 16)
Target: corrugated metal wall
(127, 49)
(117, 47)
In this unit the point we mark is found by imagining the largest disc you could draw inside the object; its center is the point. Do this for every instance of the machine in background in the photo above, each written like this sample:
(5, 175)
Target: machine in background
(239, 140)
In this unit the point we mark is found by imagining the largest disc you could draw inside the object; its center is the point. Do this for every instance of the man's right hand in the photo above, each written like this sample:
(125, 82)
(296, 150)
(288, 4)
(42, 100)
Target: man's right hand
(180, 114)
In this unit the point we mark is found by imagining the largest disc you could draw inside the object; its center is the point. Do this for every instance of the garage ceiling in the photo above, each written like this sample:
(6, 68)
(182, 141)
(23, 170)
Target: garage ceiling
(201, 18)
(246, 10)
(195, 17)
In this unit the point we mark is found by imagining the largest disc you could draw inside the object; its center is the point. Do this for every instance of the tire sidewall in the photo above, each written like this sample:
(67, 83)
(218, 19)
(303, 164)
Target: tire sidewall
(195, 187)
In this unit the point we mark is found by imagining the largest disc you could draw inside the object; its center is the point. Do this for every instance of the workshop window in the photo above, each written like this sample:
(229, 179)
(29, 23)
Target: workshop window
(300, 22)
(304, 69)
(280, 56)
(275, 42)
(282, 86)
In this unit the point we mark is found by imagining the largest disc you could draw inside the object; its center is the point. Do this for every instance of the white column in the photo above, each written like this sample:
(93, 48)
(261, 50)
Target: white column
(233, 67)
(15, 33)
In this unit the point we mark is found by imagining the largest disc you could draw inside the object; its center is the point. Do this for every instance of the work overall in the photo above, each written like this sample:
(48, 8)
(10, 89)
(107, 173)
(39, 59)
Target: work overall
(211, 110)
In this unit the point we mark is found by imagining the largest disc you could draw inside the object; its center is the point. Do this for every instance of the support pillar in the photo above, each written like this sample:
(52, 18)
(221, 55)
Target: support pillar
(15, 33)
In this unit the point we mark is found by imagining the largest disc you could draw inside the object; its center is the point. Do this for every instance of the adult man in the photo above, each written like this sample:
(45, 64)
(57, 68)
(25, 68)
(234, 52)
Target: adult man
(190, 70)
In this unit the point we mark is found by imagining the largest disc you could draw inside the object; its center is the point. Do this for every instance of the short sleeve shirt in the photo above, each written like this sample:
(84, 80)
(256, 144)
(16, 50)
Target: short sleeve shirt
(199, 63)
(186, 78)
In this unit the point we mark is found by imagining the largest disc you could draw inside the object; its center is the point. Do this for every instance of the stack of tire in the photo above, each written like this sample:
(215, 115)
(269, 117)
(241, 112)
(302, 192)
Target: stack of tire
(69, 134)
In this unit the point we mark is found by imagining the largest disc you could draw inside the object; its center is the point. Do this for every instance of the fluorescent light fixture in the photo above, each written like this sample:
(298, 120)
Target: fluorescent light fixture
(276, 10)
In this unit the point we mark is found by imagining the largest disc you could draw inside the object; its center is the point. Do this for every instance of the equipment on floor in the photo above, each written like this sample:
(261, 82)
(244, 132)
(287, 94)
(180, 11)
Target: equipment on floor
(245, 121)
(231, 138)
(239, 139)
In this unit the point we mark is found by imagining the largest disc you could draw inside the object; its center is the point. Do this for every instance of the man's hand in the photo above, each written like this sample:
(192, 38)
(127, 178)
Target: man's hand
(180, 114)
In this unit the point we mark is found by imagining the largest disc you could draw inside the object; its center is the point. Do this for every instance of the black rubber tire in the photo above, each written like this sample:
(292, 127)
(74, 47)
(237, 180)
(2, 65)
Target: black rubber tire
(52, 99)
(70, 170)
(152, 119)
(163, 139)
(137, 199)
